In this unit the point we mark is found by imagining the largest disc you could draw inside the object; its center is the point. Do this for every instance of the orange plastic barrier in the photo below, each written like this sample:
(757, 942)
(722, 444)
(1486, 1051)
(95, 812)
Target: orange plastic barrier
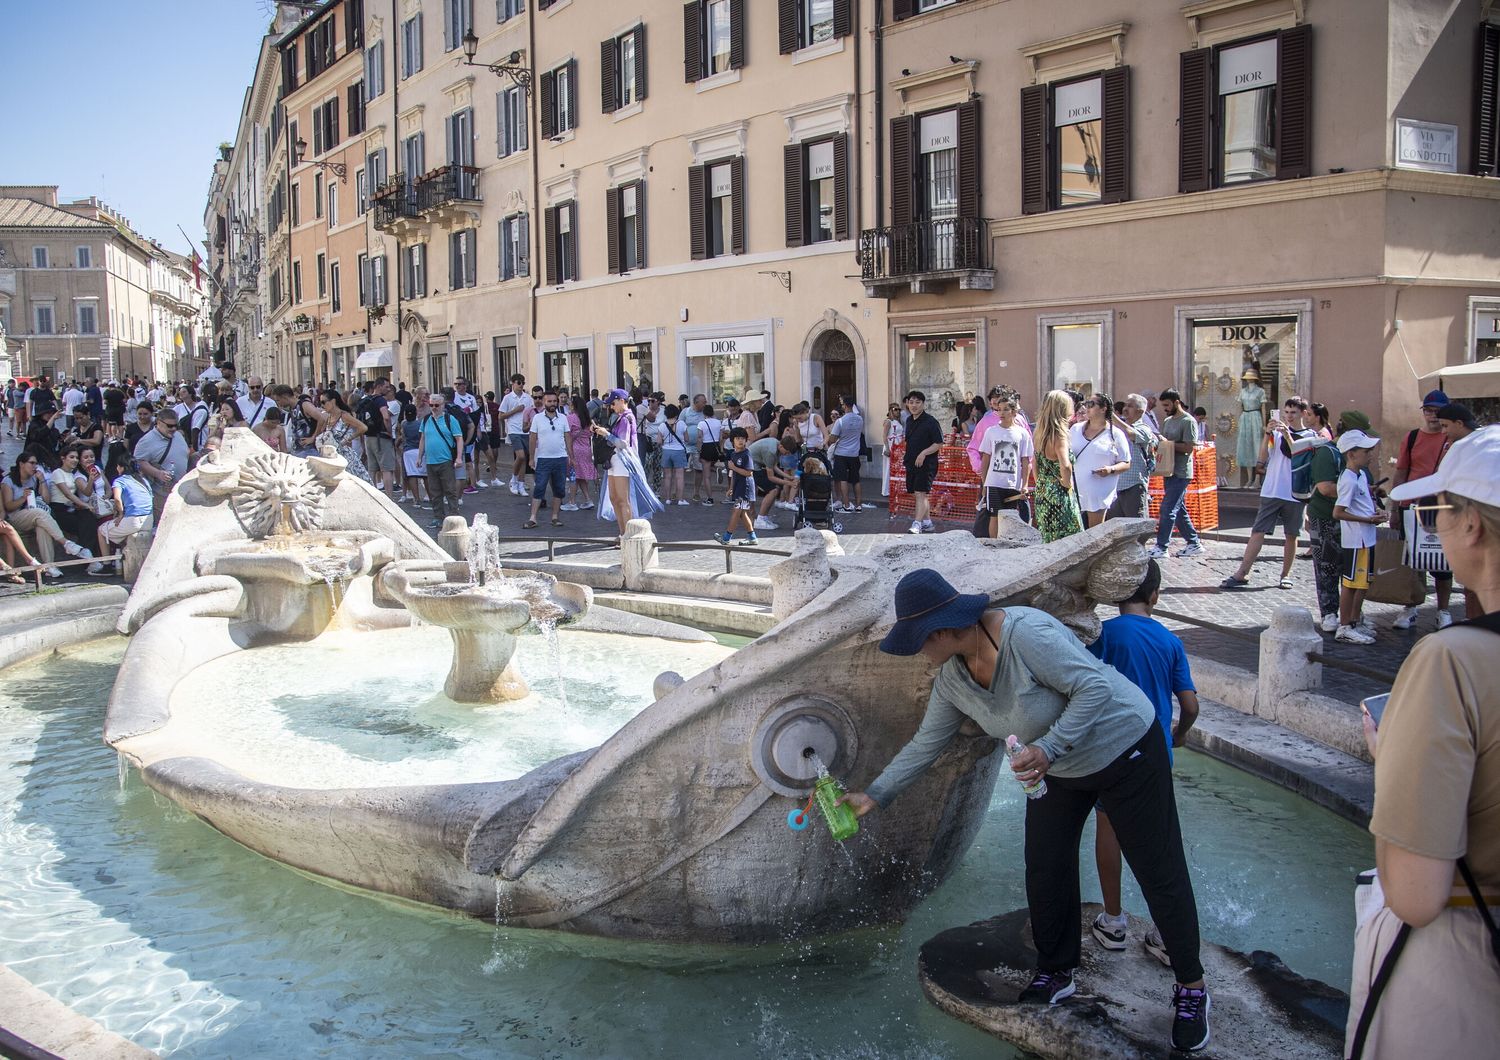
(1202, 497)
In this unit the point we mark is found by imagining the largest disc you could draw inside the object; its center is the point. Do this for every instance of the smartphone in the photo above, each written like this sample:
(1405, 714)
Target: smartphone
(1375, 706)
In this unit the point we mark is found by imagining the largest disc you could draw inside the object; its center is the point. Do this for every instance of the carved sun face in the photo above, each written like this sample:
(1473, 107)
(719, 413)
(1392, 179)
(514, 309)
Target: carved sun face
(271, 484)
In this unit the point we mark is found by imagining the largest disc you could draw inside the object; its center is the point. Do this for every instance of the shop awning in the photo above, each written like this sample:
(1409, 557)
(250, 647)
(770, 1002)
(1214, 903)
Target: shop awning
(1461, 381)
(376, 357)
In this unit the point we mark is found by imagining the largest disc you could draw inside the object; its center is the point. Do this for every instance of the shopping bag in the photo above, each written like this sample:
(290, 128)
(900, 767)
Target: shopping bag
(1424, 551)
(1391, 580)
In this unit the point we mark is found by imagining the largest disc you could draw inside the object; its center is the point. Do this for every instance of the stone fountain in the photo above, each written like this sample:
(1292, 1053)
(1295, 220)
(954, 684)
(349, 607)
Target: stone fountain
(675, 826)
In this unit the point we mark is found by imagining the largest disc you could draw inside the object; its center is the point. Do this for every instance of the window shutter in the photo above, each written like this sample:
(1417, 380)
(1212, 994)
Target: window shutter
(903, 9)
(1487, 102)
(640, 224)
(794, 172)
(1294, 103)
(902, 163)
(786, 31)
(737, 192)
(640, 61)
(841, 186)
(692, 41)
(609, 78)
(612, 227)
(549, 104)
(968, 159)
(549, 228)
(698, 211)
(1195, 123)
(843, 18)
(523, 245)
(736, 34)
(1034, 99)
(1115, 180)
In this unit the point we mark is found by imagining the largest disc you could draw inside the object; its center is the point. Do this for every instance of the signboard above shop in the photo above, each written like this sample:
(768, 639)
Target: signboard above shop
(1426, 145)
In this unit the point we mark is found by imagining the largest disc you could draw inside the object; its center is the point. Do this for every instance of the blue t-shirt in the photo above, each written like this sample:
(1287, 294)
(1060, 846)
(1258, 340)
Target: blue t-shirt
(442, 434)
(743, 486)
(1152, 657)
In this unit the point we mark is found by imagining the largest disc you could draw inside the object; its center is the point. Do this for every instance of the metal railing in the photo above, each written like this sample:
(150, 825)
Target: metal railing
(451, 183)
(925, 247)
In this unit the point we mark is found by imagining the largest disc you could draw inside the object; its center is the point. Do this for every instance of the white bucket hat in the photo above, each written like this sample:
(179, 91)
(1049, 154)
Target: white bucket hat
(1470, 469)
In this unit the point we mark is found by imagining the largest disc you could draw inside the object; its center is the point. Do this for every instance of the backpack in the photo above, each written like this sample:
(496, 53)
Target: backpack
(369, 413)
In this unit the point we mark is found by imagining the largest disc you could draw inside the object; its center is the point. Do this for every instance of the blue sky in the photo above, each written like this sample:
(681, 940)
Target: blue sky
(127, 100)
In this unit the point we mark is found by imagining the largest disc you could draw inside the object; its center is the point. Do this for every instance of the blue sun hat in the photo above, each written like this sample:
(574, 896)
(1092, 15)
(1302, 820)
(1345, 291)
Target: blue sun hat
(926, 603)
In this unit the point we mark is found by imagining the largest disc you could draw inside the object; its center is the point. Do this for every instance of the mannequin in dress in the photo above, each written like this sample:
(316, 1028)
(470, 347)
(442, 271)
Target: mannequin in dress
(1251, 426)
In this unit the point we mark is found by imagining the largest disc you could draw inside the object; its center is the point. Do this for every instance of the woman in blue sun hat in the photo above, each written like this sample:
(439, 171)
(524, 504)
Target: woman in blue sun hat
(1093, 735)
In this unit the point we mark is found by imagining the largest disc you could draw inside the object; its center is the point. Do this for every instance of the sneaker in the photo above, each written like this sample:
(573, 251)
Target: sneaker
(1353, 635)
(1406, 619)
(1232, 582)
(763, 523)
(750, 539)
(681, 502)
(1195, 549)
(1190, 1024)
(53, 572)
(1048, 988)
(470, 489)
(1330, 622)
(1156, 552)
(1156, 947)
(567, 507)
(1444, 619)
(1109, 931)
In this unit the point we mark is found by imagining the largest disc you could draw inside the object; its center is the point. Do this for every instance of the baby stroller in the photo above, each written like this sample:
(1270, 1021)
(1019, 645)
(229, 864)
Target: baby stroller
(814, 504)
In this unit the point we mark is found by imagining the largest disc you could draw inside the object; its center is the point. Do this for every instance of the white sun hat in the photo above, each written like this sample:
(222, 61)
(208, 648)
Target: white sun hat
(1470, 469)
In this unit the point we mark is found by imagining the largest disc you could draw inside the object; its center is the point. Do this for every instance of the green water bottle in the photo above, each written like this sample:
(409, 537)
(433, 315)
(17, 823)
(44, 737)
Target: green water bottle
(842, 821)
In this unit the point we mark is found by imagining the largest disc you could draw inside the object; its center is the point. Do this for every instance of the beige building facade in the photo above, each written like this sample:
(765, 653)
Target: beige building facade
(1166, 194)
(701, 189)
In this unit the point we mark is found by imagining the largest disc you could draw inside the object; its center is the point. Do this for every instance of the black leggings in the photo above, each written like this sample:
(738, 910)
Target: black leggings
(1136, 791)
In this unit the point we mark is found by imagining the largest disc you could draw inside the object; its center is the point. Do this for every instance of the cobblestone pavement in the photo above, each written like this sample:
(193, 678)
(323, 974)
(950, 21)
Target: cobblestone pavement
(1190, 586)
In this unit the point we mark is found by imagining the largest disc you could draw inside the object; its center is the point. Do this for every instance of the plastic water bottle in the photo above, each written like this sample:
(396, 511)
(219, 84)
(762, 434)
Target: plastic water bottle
(1036, 789)
(842, 821)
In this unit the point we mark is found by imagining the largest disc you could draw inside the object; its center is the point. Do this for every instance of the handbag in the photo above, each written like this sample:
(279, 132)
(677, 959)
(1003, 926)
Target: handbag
(1424, 550)
(1391, 580)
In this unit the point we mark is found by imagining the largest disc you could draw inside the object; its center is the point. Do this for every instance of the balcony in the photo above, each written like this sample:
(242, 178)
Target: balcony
(927, 256)
(449, 196)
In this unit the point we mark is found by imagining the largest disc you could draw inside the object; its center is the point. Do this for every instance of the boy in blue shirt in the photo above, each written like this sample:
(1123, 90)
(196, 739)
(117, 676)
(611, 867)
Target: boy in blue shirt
(741, 488)
(1154, 659)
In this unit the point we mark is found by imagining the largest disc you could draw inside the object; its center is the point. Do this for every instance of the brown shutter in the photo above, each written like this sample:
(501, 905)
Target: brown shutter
(612, 226)
(737, 193)
(1115, 180)
(609, 80)
(640, 223)
(843, 18)
(902, 168)
(968, 159)
(795, 177)
(698, 211)
(1034, 100)
(736, 34)
(640, 61)
(786, 25)
(903, 9)
(1294, 103)
(692, 41)
(1195, 121)
(549, 234)
(841, 186)
(549, 104)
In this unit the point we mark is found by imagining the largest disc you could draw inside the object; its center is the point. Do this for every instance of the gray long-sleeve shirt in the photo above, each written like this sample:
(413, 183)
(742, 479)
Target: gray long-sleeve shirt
(1047, 690)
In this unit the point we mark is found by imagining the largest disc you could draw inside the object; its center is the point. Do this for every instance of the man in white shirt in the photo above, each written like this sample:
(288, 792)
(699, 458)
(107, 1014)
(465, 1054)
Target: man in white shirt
(549, 440)
(513, 408)
(255, 402)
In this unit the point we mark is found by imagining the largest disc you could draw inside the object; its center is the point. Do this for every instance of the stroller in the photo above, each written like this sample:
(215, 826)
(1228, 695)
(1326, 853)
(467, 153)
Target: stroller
(814, 504)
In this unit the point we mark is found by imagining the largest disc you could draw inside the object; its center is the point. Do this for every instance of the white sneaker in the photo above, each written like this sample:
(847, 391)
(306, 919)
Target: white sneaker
(1353, 635)
(1190, 551)
(1406, 619)
(1444, 619)
(1156, 552)
(763, 523)
(1330, 622)
(567, 507)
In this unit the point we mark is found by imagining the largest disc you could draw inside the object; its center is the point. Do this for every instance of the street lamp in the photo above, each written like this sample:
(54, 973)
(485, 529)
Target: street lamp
(511, 66)
(338, 169)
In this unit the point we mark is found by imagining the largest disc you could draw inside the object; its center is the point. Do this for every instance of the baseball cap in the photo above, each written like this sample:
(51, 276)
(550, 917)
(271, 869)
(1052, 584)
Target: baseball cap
(1354, 420)
(1356, 439)
(1467, 470)
(1435, 399)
